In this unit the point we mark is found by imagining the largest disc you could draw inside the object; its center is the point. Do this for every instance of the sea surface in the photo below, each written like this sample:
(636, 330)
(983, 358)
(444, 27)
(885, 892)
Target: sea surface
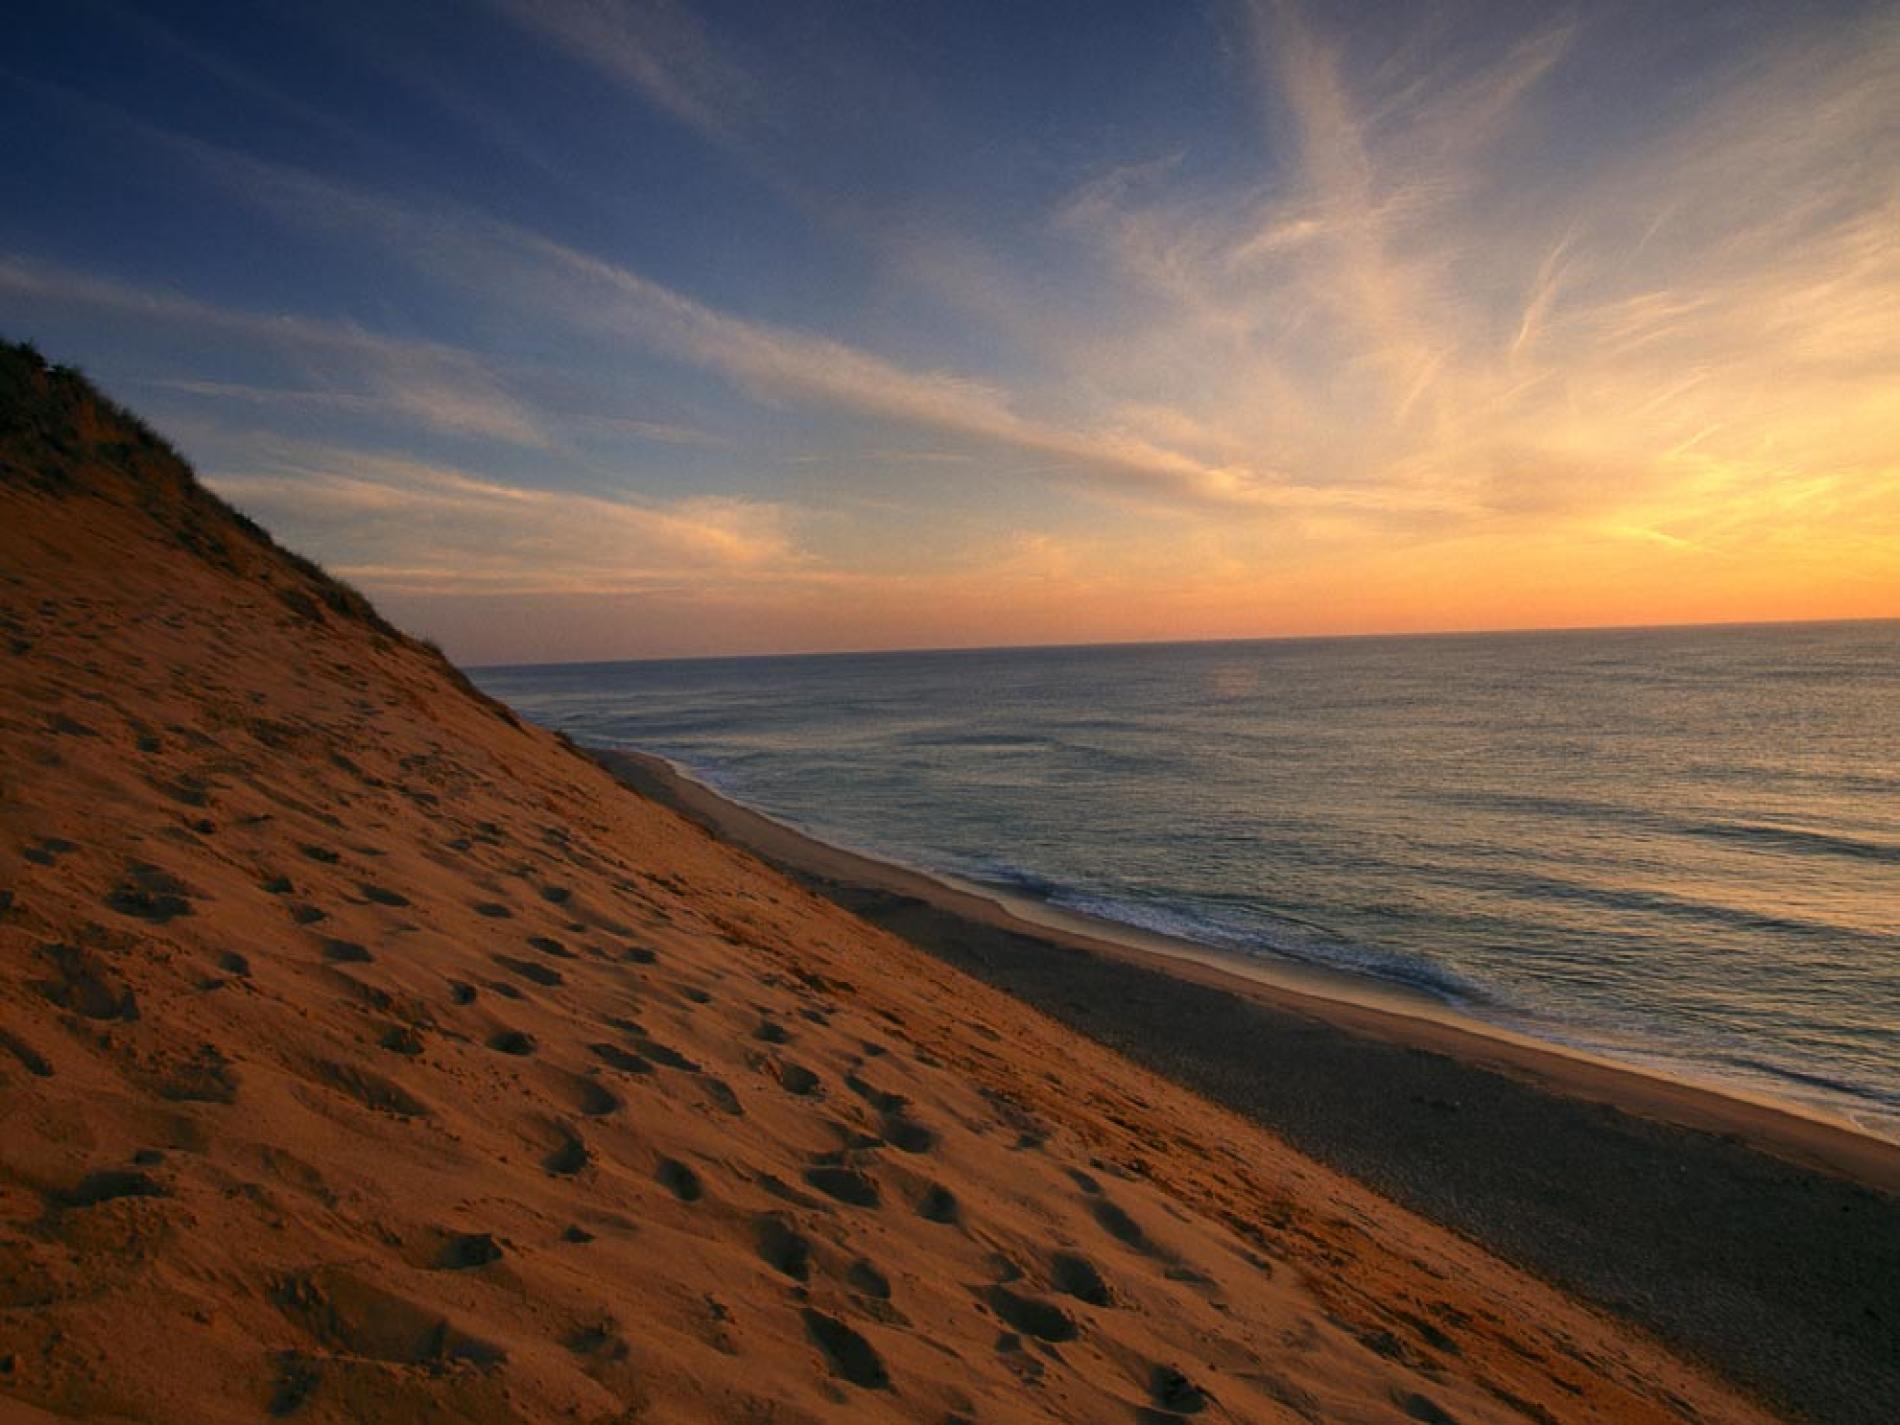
(1674, 846)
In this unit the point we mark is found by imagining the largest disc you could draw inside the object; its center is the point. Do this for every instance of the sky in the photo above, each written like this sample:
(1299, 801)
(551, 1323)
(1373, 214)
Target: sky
(589, 329)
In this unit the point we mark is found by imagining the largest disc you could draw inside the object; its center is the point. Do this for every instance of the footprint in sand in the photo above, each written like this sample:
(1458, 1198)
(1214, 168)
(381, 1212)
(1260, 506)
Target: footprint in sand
(678, 1179)
(660, 1054)
(30, 1058)
(108, 1185)
(148, 893)
(494, 910)
(616, 1057)
(371, 1090)
(346, 952)
(49, 850)
(382, 896)
(529, 970)
(82, 983)
(849, 1354)
(65, 726)
(1174, 1393)
(1031, 1315)
(797, 1079)
(594, 1100)
(720, 1093)
(906, 1134)
(867, 1280)
(781, 1248)
(1076, 1276)
(401, 1039)
(511, 1041)
(1121, 1226)
(202, 1076)
(377, 999)
(1423, 1407)
(598, 1340)
(351, 1316)
(879, 1099)
(939, 1204)
(466, 1250)
(583, 1094)
(569, 1158)
(846, 1185)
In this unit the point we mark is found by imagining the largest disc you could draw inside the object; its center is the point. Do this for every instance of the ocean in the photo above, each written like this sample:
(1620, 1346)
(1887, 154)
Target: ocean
(1676, 847)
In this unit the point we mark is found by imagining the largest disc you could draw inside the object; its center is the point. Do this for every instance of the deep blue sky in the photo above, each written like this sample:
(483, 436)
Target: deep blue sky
(579, 327)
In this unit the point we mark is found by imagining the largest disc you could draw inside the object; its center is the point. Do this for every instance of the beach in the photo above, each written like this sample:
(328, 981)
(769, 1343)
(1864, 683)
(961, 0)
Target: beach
(1763, 1240)
(1569, 838)
(368, 1052)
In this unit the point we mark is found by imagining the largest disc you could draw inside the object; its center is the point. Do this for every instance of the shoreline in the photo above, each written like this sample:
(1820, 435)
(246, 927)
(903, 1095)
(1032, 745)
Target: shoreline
(1761, 1243)
(1360, 1005)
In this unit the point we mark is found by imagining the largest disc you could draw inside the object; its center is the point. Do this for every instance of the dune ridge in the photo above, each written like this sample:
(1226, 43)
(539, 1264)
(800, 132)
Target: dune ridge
(369, 1054)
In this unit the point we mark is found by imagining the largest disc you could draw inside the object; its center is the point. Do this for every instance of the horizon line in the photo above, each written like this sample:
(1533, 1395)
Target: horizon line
(1190, 642)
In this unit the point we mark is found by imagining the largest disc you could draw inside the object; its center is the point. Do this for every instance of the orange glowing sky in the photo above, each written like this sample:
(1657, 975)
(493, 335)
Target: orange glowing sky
(653, 329)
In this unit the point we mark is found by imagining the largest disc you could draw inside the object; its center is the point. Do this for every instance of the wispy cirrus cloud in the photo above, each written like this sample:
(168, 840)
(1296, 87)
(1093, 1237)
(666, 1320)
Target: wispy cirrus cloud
(417, 527)
(555, 282)
(350, 367)
(1693, 339)
(656, 47)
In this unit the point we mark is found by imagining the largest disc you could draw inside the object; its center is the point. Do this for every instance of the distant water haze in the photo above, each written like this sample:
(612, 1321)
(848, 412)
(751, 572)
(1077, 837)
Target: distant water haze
(1674, 846)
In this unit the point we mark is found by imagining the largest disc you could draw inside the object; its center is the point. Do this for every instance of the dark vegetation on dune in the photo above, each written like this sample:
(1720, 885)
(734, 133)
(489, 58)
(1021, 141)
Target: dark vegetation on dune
(61, 436)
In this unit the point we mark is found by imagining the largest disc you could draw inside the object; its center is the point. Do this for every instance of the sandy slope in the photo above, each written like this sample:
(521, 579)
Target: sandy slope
(370, 1056)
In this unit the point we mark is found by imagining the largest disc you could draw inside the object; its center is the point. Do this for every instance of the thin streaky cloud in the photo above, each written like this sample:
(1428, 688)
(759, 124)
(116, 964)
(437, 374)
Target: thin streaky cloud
(239, 79)
(483, 533)
(665, 432)
(559, 282)
(1582, 392)
(657, 48)
(440, 386)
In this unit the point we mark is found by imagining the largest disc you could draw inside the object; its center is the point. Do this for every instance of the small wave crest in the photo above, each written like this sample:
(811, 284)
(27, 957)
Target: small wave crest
(1826, 1082)
(1302, 941)
(994, 741)
(1801, 840)
(1006, 876)
(1793, 838)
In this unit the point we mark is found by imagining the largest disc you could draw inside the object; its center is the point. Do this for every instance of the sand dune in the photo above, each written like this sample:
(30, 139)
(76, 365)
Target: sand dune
(370, 1055)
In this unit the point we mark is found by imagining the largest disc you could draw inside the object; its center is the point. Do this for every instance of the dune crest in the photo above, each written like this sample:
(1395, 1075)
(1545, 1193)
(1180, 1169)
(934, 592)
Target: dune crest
(369, 1054)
